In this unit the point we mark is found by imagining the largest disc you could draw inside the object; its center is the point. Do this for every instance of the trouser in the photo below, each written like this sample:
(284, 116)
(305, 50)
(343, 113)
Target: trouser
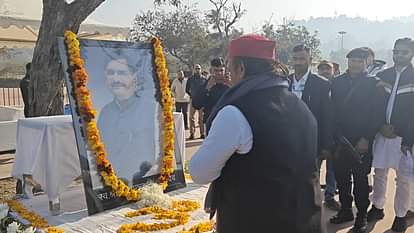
(330, 181)
(192, 120)
(346, 170)
(370, 179)
(183, 108)
(412, 197)
(402, 193)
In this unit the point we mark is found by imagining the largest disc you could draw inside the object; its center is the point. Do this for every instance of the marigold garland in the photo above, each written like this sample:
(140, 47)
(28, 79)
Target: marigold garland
(88, 114)
(34, 219)
(180, 212)
(180, 209)
(166, 98)
(55, 230)
(199, 228)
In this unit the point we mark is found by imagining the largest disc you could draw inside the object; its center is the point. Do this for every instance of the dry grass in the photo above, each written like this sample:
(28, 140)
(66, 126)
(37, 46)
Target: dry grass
(7, 189)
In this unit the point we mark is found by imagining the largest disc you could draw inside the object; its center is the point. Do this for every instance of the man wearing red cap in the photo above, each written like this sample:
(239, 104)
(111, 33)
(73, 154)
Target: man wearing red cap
(263, 168)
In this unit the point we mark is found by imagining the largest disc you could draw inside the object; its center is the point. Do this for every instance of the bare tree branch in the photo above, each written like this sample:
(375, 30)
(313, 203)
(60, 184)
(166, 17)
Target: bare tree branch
(79, 10)
(237, 15)
(223, 17)
(173, 52)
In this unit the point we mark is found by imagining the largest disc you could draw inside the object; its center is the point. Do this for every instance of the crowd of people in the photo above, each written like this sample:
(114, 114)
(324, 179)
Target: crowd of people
(268, 132)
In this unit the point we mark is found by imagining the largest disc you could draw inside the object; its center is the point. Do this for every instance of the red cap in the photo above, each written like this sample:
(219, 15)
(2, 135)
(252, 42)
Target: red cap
(252, 45)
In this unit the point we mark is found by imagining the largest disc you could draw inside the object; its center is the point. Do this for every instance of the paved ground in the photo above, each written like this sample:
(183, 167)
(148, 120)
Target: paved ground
(7, 186)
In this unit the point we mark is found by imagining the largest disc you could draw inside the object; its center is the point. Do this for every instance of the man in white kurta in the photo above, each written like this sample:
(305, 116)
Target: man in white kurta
(391, 143)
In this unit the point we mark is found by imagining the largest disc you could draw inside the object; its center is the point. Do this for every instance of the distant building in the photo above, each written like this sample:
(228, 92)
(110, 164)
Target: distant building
(19, 30)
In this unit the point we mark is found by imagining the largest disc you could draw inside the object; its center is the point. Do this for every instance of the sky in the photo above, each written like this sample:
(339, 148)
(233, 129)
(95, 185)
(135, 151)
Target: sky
(259, 11)
(122, 12)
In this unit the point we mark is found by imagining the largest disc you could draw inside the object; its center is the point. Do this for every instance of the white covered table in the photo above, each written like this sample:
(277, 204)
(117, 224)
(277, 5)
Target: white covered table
(8, 124)
(8, 135)
(46, 149)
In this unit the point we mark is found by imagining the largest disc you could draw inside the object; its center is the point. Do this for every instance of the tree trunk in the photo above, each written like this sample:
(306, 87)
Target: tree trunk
(46, 85)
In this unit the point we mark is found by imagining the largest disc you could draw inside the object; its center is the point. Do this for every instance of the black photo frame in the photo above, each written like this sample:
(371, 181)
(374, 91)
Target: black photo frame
(99, 57)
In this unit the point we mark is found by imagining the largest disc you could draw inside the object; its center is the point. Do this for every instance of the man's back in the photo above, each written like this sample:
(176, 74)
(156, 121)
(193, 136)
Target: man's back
(24, 88)
(279, 169)
(193, 83)
(207, 99)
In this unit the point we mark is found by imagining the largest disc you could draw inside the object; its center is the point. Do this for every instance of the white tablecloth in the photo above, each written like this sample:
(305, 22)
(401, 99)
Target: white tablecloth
(8, 135)
(46, 149)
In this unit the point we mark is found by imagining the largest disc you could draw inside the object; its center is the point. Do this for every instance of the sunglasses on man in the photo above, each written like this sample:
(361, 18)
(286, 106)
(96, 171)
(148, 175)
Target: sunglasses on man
(402, 52)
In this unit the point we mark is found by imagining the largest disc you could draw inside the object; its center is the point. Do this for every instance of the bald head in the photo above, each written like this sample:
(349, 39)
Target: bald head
(197, 69)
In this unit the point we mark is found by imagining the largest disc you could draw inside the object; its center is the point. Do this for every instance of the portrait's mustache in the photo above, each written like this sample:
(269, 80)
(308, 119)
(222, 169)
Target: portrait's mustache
(118, 84)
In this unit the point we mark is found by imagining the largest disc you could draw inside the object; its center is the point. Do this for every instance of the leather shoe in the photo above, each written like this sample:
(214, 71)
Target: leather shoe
(361, 223)
(399, 224)
(344, 215)
(375, 214)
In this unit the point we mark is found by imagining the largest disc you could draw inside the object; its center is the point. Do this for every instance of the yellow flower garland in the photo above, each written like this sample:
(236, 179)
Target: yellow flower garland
(55, 230)
(199, 228)
(180, 209)
(34, 219)
(180, 212)
(83, 97)
(162, 72)
(86, 111)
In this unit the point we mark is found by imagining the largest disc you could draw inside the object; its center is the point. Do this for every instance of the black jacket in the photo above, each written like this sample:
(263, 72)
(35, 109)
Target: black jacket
(206, 99)
(24, 88)
(193, 83)
(275, 186)
(357, 103)
(402, 117)
(317, 97)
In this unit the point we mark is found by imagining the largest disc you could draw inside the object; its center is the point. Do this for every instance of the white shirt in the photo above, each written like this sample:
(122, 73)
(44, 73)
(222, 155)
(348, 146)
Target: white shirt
(178, 91)
(299, 86)
(393, 96)
(230, 132)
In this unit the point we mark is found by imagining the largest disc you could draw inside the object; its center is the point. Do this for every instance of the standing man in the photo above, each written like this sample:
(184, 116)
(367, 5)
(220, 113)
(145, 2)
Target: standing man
(354, 97)
(337, 69)
(314, 90)
(208, 95)
(193, 84)
(326, 70)
(392, 146)
(24, 88)
(374, 66)
(181, 97)
(264, 169)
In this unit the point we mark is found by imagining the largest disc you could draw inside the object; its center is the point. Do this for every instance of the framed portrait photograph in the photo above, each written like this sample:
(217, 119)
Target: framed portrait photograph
(126, 96)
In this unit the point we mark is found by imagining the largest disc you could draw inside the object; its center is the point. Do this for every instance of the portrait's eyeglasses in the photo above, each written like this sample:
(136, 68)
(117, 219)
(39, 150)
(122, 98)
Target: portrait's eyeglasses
(118, 72)
(402, 52)
(197, 68)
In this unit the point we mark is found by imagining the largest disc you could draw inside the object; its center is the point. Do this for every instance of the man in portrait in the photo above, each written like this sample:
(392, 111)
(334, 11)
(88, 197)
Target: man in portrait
(127, 123)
